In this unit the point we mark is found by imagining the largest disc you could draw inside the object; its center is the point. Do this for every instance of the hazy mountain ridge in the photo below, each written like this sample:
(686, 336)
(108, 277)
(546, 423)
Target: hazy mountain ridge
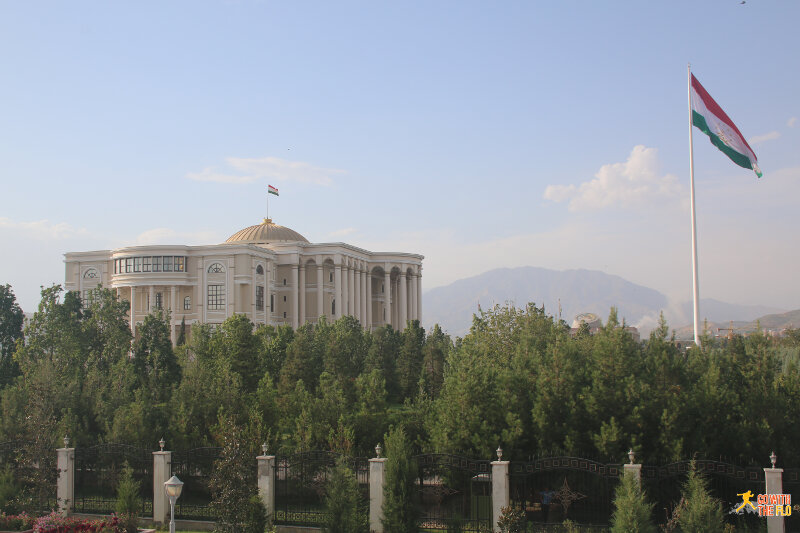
(577, 291)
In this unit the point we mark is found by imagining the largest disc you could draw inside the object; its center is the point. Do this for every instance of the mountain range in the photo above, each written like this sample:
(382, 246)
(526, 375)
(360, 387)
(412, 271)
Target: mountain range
(570, 292)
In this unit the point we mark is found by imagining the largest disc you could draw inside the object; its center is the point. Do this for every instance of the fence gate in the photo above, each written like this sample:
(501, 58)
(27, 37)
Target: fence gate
(97, 473)
(553, 489)
(194, 468)
(300, 481)
(455, 493)
(726, 481)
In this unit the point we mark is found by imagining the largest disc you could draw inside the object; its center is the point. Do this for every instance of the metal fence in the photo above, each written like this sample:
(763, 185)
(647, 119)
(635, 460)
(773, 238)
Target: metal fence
(791, 485)
(300, 481)
(97, 474)
(551, 490)
(194, 468)
(455, 493)
(35, 486)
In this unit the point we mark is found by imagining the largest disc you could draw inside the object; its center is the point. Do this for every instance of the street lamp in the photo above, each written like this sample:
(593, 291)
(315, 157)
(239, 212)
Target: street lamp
(173, 486)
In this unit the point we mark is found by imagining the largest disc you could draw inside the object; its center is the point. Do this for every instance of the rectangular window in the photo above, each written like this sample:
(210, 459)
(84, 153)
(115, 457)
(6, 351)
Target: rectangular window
(157, 264)
(180, 264)
(137, 264)
(271, 303)
(146, 264)
(89, 296)
(128, 265)
(259, 298)
(167, 263)
(159, 300)
(216, 297)
(187, 303)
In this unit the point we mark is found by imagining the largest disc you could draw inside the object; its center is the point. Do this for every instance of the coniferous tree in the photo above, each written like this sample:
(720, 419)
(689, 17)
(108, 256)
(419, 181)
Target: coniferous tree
(11, 319)
(344, 512)
(399, 508)
(632, 512)
(699, 511)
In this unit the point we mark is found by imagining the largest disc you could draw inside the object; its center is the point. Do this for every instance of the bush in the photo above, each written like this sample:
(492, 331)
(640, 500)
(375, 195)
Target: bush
(20, 522)
(128, 502)
(343, 513)
(632, 512)
(511, 520)
(8, 489)
(55, 523)
(399, 509)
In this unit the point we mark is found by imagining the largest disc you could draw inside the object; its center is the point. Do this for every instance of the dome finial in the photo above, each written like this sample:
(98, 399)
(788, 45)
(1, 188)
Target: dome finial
(267, 221)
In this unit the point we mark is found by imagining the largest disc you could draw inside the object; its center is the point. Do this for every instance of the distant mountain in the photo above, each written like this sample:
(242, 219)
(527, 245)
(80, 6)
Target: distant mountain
(576, 291)
(774, 321)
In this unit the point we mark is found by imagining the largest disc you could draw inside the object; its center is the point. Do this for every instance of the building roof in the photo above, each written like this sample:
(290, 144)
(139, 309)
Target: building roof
(266, 233)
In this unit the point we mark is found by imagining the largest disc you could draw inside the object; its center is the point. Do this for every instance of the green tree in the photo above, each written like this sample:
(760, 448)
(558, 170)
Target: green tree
(409, 363)
(234, 341)
(699, 511)
(11, 319)
(399, 508)
(154, 360)
(632, 512)
(182, 332)
(128, 505)
(344, 512)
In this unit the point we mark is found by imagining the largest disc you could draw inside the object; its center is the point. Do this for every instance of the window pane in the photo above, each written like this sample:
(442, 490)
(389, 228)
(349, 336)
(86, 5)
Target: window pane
(157, 264)
(146, 264)
(180, 264)
(216, 297)
(187, 303)
(137, 264)
(128, 265)
(167, 263)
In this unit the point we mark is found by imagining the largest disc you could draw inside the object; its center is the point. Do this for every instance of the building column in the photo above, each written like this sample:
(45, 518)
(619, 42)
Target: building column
(133, 311)
(173, 296)
(364, 298)
(376, 469)
(295, 298)
(413, 293)
(501, 493)
(774, 485)
(351, 276)
(267, 295)
(230, 289)
(403, 301)
(162, 466)
(387, 295)
(65, 487)
(419, 295)
(151, 299)
(337, 290)
(320, 293)
(302, 274)
(266, 484)
(357, 294)
(368, 321)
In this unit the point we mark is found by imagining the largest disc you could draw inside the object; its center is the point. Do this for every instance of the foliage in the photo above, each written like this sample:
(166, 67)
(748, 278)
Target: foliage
(8, 490)
(20, 522)
(632, 512)
(11, 319)
(233, 483)
(56, 523)
(128, 505)
(699, 511)
(344, 512)
(512, 520)
(399, 507)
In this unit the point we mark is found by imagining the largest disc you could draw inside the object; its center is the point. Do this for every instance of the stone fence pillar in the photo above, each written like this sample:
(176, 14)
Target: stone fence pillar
(632, 468)
(774, 485)
(162, 471)
(266, 483)
(65, 488)
(501, 490)
(377, 467)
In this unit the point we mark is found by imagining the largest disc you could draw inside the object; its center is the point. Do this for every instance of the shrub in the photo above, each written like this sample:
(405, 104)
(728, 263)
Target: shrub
(511, 520)
(8, 489)
(20, 522)
(699, 511)
(632, 512)
(343, 513)
(55, 523)
(128, 502)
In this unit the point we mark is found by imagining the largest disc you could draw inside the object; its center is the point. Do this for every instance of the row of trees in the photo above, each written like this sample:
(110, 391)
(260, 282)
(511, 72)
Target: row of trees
(518, 379)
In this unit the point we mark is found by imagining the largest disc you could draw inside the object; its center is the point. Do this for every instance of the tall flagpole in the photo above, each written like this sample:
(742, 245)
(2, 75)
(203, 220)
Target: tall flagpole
(695, 282)
(267, 202)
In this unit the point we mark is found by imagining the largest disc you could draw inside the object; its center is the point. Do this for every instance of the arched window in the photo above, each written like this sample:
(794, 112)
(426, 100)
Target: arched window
(187, 303)
(91, 273)
(216, 268)
(260, 270)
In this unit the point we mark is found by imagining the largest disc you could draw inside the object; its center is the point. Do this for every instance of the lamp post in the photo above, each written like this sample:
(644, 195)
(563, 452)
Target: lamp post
(173, 486)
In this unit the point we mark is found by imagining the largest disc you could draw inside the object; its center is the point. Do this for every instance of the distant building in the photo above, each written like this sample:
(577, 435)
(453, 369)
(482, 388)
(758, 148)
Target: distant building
(268, 272)
(594, 323)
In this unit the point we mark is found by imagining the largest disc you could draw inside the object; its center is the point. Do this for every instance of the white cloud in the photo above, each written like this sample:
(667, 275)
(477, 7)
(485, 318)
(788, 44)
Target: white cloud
(267, 168)
(791, 122)
(758, 139)
(43, 229)
(634, 183)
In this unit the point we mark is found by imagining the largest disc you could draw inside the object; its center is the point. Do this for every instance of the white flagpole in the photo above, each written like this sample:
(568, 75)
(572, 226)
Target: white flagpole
(267, 202)
(695, 282)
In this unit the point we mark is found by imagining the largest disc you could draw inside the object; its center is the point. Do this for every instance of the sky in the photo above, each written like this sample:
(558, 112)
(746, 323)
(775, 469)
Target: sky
(479, 134)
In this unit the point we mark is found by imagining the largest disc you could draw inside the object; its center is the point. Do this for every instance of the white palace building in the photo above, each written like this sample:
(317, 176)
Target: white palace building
(268, 272)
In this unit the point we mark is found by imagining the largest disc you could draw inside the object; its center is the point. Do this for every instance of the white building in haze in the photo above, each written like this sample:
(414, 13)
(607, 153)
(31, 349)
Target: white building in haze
(268, 272)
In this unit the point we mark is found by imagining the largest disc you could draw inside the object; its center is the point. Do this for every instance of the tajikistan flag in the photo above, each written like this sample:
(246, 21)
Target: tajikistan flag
(272, 190)
(709, 117)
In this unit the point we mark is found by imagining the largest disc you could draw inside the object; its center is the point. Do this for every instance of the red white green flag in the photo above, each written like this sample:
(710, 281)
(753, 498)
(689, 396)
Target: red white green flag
(709, 118)
(272, 190)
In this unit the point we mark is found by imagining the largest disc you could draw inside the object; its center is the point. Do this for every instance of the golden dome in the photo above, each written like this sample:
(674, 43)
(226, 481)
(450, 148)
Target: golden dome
(265, 233)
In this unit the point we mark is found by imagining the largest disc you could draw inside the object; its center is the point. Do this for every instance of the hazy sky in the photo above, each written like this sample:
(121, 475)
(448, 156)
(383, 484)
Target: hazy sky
(480, 134)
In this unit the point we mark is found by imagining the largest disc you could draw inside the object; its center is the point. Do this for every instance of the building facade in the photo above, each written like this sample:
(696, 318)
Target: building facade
(268, 272)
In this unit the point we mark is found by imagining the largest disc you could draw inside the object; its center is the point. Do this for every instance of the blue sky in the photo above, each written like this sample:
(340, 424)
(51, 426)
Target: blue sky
(480, 134)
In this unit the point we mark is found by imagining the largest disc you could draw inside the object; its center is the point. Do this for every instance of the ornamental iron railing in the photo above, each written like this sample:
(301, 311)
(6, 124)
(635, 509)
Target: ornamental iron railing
(97, 474)
(194, 468)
